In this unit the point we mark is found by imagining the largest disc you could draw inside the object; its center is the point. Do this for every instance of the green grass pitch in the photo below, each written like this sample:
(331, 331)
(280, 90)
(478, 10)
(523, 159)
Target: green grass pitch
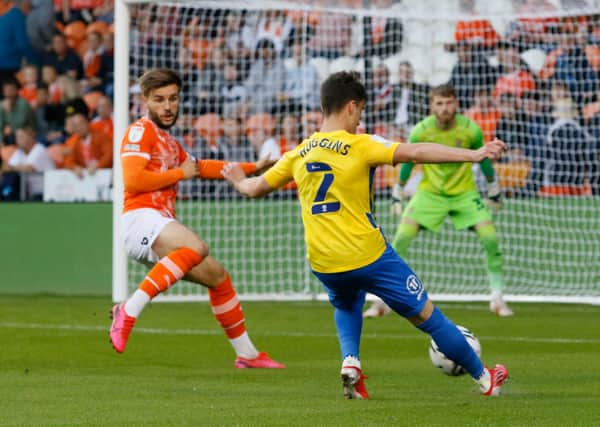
(58, 368)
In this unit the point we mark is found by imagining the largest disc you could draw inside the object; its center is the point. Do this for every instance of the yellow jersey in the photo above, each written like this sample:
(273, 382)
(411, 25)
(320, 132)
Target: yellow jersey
(334, 173)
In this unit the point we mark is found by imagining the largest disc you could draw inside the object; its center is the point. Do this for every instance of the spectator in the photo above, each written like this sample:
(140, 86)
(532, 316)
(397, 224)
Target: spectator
(40, 25)
(383, 95)
(591, 117)
(311, 123)
(385, 37)
(31, 158)
(514, 78)
(412, 100)
(472, 71)
(137, 106)
(69, 91)
(105, 78)
(197, 41)
(92, 55)
(14, 44)
(233, 93)
(260, 129)
(484, 112)
(50, 79)
(289, 133)
(511, 128)
(302, 82)
(63, 58)
(240, 40)
(333, 34)
(537, 121)
(569, 63)
(234, 143)
(30, 82)
(15, 112)
(571, 160)
(85, 149)
(275, 26)
(103, 121)
(48, 118)
(210, 80)
(266, 79)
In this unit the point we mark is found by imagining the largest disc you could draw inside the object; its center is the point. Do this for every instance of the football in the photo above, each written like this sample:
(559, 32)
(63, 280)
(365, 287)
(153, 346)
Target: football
(446, 365)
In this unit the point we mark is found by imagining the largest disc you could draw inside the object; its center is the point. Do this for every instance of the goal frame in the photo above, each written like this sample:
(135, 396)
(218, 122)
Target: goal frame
(119, 257)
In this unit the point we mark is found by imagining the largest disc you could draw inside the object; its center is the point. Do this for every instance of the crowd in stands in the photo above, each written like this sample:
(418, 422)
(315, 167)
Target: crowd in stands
(56, 73)
(251, 84)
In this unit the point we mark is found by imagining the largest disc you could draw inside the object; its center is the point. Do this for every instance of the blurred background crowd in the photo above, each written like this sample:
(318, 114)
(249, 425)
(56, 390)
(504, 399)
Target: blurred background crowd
(251, 81)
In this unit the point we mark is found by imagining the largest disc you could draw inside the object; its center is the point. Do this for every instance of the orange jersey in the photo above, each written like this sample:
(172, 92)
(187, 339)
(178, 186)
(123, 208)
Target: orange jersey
(163, 155)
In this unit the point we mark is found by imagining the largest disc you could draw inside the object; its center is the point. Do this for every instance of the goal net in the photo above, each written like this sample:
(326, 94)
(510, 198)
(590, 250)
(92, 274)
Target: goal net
(527, 72)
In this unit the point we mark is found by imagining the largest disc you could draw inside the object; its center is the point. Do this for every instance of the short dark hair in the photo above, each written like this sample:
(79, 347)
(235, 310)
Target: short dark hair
(11, 81)
(157, 78)
(445, 91)
(340, 88)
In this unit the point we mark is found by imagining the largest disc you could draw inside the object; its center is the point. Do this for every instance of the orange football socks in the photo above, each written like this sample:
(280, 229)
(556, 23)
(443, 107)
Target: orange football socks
(164, 274)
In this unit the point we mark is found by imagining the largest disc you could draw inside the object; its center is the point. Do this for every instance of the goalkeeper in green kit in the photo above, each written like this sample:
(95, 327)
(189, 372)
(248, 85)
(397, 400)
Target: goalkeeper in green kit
(449, 189)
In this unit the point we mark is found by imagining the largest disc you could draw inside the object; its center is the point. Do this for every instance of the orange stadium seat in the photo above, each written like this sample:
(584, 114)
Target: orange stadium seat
(210, 127)
(75, 33)
(513, 175)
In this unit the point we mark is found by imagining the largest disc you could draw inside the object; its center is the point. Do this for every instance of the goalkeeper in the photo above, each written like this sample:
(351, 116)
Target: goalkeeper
(449, 189)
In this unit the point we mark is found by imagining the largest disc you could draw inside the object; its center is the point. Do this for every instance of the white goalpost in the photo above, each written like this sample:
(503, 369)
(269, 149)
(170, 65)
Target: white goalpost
(251, 72)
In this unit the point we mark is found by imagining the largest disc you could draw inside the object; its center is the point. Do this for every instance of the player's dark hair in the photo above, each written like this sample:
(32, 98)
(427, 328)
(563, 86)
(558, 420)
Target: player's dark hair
(157, 78)
(445, 91)
(339, 89)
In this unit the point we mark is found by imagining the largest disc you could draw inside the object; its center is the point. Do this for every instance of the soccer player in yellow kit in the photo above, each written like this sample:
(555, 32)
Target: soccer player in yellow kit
(347, 250)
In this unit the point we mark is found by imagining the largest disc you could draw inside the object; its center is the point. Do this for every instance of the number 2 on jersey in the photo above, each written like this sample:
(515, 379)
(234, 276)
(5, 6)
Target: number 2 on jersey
(318, 206)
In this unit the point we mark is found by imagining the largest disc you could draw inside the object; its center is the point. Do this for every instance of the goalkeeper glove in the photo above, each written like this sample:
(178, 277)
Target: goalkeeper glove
(399, 200)
(494, 196)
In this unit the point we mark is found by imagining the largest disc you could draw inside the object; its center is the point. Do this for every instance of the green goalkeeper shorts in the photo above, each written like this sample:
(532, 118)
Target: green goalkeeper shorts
(429, 210)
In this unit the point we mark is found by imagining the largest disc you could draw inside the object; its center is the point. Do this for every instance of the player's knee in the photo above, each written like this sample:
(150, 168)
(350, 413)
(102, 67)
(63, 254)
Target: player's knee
(201, 248)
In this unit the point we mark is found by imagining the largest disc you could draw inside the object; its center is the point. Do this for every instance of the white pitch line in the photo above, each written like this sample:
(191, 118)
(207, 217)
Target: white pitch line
(162, 331)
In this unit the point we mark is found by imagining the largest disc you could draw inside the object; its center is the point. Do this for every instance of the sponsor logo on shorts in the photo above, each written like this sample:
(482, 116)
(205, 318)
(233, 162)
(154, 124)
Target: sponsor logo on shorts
(145, 241)
(414, 286)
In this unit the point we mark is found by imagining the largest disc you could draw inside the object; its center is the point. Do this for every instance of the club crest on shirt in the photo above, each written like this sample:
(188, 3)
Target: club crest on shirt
(135, 134)
(414, 286)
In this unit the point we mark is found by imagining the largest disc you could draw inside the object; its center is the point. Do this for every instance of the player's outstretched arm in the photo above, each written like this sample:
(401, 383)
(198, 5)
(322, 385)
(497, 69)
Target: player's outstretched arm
(211, 169)
(252, 187)
(138, 179)
(426, 152)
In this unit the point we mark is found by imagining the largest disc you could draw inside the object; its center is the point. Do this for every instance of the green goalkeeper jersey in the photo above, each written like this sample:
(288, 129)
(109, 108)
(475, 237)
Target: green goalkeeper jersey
(447, 179)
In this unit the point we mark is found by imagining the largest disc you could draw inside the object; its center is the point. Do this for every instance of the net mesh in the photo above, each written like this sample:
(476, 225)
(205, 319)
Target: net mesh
(526, 71)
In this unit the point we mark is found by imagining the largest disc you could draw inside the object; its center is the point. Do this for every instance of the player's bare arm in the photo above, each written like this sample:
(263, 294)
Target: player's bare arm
(436, 153)
(252, 187)
(211, 169)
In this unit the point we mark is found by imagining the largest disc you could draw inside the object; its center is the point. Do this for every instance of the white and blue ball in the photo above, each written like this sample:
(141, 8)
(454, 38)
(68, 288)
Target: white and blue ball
(446, 365)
